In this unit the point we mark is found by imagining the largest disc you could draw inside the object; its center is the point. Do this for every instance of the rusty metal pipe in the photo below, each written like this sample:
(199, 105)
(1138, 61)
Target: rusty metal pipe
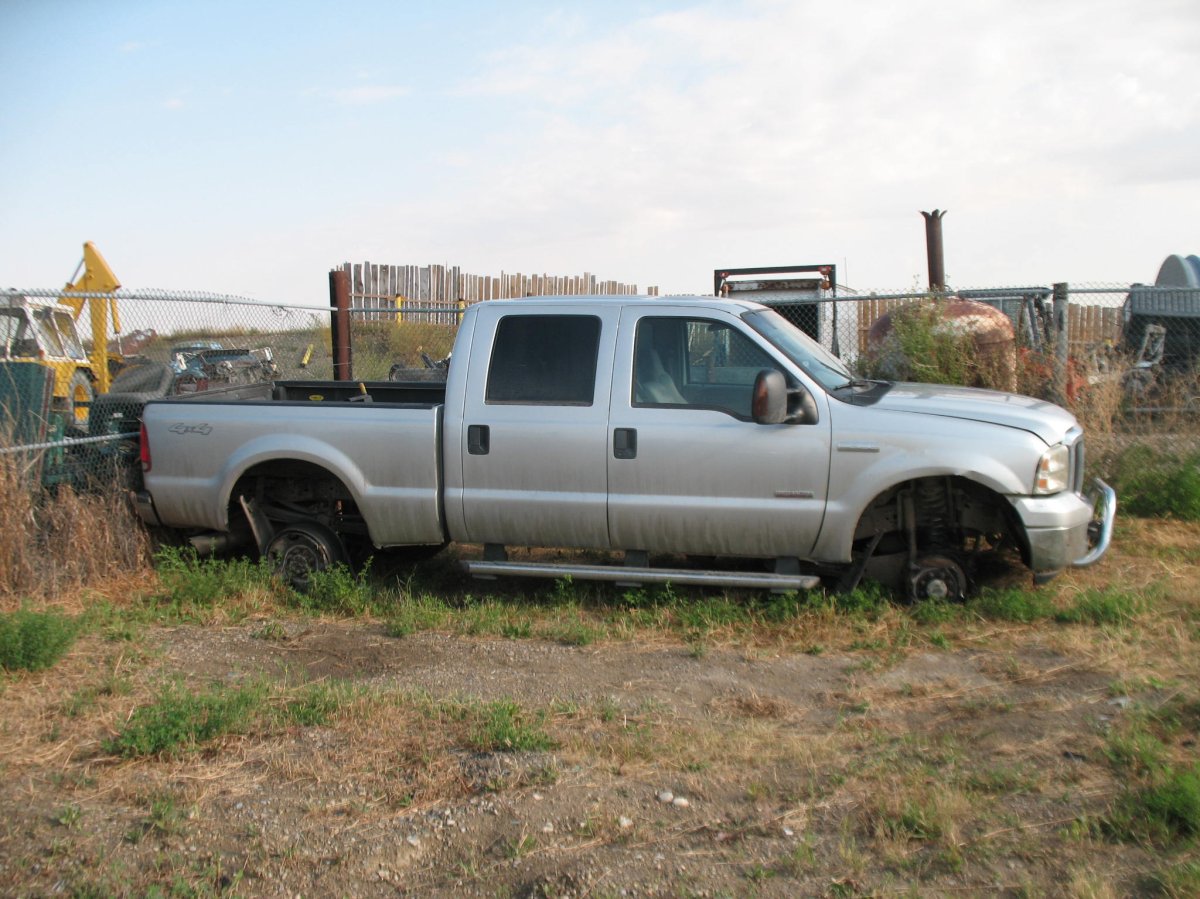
(934, 250)
(339, 300)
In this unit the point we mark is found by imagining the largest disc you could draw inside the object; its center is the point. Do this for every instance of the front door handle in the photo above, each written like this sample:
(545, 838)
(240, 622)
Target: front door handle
(625, 443)
(479, 439)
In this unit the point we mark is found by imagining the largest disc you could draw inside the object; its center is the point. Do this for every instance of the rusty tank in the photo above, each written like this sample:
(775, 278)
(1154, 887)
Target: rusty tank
(987, 333)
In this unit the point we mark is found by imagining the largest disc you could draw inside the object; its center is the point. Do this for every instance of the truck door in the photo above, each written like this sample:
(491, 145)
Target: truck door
(689, 470)
(535, 426)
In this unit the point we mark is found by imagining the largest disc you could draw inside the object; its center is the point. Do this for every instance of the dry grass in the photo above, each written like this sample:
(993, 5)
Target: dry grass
(56, 545)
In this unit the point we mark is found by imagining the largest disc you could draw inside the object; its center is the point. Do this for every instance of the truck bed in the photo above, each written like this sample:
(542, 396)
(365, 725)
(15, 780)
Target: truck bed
(378, 443)
(421, 393)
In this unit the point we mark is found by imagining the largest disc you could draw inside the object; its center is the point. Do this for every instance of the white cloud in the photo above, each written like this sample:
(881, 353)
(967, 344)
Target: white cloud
(801, 129)
(173, 103)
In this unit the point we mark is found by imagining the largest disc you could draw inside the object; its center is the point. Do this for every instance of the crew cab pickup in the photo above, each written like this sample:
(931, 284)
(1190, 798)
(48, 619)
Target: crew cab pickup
(650, 427)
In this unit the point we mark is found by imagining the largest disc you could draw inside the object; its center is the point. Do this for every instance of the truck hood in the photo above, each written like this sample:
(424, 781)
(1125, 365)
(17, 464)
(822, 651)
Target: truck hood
(1046, 420)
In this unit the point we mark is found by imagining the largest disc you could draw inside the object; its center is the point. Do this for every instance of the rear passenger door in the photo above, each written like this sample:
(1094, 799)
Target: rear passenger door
(534, 439)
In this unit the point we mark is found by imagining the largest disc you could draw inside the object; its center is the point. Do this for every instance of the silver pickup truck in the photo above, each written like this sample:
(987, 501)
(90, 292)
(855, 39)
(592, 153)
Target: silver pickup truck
(672, 427)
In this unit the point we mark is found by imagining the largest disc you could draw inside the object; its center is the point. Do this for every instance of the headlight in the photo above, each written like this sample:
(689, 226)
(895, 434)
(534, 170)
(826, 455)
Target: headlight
(1053, 471)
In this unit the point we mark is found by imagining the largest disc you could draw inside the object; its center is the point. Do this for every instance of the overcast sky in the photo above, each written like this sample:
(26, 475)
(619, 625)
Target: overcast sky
(249, 147)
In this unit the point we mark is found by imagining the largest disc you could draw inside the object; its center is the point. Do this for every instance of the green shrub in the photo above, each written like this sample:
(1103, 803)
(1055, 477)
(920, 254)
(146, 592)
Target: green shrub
(189, 581)
(935, 611)
(32, 641)
(1166, 811)
(337, 590)
(925, 346)
(1157, 485)
(869, 599)
(179, 720)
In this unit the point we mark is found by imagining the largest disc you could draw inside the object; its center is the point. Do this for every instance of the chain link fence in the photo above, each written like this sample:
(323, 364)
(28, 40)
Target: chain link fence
(72, 387)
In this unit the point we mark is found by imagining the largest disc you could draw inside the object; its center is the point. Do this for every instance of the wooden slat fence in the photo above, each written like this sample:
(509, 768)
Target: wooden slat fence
(1090, 325)
(376, 287)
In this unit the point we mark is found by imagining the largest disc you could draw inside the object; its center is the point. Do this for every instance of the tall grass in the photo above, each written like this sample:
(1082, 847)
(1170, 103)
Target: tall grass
(1158, 485)
(58, 542)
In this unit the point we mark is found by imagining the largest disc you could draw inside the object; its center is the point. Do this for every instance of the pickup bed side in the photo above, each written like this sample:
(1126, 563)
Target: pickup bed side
(328, 459)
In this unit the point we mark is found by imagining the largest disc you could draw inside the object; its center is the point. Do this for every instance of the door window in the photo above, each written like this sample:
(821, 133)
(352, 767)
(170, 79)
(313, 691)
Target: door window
(544, 360)
(696, 362)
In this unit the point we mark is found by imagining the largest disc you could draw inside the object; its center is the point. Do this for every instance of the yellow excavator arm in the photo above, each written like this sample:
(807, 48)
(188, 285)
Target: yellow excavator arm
(94, 276)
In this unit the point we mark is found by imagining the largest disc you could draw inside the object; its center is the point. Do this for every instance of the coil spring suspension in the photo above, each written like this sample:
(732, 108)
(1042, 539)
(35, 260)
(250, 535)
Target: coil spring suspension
(934, 513)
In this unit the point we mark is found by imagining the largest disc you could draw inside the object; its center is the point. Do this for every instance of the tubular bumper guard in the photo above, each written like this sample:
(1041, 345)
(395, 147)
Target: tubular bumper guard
(1104, 511)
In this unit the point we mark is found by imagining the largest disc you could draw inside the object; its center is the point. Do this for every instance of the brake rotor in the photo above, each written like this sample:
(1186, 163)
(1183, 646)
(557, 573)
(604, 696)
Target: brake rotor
(937, 577)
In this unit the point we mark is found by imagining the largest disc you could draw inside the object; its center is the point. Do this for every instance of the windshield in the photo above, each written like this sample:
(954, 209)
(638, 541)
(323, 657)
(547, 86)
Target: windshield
(814, 360)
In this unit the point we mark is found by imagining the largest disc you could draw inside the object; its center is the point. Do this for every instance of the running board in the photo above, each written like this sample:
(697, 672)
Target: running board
(633, 577)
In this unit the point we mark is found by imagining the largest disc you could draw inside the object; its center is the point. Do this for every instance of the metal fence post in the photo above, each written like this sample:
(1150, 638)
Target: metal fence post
(339, 299)
(1061, 341)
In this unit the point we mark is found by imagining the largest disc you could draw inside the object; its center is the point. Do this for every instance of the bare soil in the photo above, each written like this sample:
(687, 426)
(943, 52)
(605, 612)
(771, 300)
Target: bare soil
(906, 761)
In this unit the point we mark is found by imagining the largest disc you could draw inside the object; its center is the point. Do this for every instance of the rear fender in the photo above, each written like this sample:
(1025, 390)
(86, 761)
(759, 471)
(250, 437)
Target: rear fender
(288, 448)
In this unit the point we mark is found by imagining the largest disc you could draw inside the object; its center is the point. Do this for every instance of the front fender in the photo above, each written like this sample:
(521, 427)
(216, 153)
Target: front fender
(877, 453)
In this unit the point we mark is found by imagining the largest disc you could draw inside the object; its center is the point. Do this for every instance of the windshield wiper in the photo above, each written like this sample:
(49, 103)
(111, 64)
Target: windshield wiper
(856, 384)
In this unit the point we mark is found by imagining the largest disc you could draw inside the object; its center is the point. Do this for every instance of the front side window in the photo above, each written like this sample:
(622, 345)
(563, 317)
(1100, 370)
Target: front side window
(696, 362)
(47, 332)
(70, 337)
(544, 360)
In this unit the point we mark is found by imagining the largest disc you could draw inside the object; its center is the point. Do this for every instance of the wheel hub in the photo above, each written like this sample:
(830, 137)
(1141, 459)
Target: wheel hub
(299, 551)
(937, 577)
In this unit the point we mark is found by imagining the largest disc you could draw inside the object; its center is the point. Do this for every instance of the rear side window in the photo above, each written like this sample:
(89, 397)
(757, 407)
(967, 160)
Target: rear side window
(544, 359)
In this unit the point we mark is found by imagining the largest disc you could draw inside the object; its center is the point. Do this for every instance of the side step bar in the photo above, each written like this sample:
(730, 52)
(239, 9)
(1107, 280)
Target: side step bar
(631, 576)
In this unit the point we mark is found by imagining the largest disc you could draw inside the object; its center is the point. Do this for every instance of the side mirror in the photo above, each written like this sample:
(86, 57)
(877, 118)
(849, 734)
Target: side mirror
(768, 403)
(773, 403)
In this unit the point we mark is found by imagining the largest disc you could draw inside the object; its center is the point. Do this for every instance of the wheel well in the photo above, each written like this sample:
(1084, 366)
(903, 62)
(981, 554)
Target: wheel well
(291, 490)
(948, 511)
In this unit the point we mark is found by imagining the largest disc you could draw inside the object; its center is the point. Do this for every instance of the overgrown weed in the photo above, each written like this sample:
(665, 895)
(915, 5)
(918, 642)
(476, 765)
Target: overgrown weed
(33, 640)
(1156, 484)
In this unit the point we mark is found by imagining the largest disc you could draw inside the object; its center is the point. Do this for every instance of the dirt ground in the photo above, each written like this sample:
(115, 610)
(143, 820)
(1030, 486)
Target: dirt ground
(956, 763)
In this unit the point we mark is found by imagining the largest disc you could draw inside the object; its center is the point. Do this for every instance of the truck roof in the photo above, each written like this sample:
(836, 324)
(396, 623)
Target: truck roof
(693, 300)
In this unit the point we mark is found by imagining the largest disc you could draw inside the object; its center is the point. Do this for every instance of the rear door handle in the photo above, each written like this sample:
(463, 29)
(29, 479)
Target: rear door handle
(624, 443)
(479, 439)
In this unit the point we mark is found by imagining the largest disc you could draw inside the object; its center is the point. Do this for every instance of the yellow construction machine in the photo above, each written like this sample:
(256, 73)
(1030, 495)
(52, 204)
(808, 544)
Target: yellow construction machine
(43, 331)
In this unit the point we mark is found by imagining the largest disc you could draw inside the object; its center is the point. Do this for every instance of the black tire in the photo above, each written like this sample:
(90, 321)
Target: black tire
(300, 549)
